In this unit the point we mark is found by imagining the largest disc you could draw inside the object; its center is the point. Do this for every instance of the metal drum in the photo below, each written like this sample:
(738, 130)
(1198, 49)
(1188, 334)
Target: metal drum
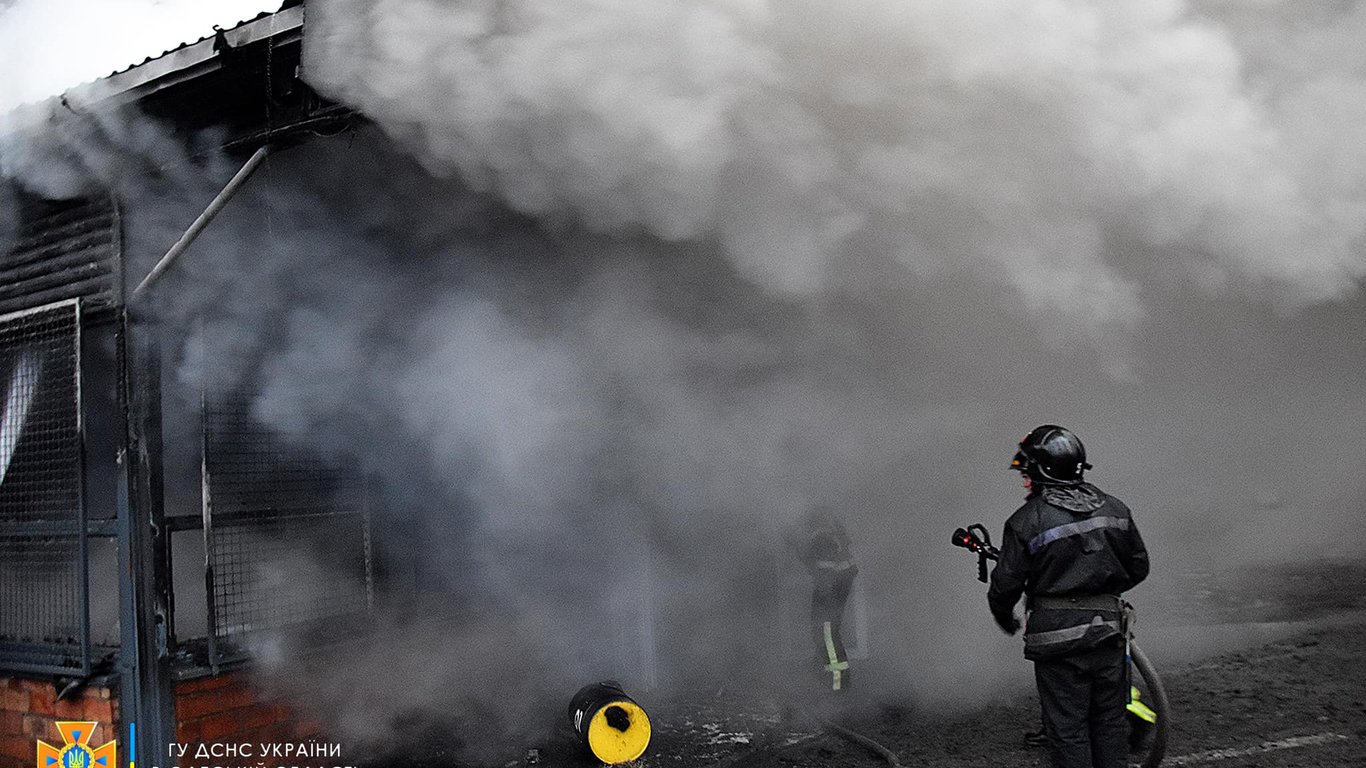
(613, 727)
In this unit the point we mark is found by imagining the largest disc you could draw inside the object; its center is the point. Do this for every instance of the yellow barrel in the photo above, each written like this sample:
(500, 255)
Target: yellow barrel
(613, 727)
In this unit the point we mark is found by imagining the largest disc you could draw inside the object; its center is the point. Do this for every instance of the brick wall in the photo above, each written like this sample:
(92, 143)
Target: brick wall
(229, 709)
(222, 709)
(29, 711)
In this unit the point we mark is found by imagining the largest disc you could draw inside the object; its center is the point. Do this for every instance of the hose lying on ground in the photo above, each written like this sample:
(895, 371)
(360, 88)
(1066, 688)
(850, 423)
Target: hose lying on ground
(865, 742)
(766, 745)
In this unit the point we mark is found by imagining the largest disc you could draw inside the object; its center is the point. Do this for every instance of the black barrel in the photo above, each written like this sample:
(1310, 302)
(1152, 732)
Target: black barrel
(613, 727)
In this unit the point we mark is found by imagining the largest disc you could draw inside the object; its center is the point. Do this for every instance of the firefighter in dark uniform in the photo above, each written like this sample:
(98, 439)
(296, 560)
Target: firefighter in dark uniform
(1070, 550)
(824, 550)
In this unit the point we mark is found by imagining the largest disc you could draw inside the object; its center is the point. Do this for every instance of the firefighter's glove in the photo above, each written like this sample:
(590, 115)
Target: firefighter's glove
(1008, 624)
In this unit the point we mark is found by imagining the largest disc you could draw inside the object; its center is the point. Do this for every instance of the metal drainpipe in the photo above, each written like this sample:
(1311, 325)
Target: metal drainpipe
(200, 223)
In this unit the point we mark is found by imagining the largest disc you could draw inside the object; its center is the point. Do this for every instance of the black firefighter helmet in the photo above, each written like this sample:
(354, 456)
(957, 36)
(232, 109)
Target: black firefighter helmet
(1051, 454)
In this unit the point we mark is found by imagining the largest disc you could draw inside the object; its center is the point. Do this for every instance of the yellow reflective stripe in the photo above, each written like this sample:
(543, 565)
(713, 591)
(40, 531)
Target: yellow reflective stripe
(1141, 710)
(1138, 708)
(835, 667)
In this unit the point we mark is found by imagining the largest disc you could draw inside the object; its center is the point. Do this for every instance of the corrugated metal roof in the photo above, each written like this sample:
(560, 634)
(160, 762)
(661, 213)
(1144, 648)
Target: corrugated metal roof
(187, 44)
(152, 71)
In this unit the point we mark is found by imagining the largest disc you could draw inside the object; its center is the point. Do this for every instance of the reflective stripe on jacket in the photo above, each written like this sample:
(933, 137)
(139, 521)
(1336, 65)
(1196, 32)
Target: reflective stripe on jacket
(1067, 541)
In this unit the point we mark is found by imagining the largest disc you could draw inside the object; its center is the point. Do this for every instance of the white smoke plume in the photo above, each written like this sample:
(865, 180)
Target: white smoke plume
(1018, 142)
(688, 268)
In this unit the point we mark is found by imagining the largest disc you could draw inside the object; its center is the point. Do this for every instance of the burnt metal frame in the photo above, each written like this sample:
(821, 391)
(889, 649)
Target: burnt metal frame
(146, 589)
(140, 527)
(147, 691)
(206, 524)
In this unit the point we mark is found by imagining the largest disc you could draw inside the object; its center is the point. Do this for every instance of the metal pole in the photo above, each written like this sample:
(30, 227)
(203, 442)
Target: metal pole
(200, 223)
(206, 509)
(147, 688)
(83, 540)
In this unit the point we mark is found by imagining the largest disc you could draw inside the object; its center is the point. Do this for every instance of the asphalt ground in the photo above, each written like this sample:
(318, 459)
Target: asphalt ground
(1297, 699)
(1262, 668)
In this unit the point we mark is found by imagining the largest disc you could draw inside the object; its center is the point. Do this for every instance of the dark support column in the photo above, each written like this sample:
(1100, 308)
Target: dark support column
(148, 690)
(147, 687)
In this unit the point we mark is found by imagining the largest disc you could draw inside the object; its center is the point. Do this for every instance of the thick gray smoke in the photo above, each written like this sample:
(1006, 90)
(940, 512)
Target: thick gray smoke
(670, 273)
(1017, 142)
(969, 219)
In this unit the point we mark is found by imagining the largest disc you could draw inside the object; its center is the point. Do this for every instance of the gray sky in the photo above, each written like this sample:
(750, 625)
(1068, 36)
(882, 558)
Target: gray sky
(47, 46)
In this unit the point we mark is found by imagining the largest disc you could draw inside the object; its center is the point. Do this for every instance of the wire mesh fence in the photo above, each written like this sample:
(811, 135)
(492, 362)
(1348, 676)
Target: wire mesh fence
(285, 531)
(44, 622)
(40, 440)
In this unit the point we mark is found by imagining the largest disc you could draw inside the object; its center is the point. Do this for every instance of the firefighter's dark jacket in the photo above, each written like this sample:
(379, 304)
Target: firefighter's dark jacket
(1067, 541)
(827, 556)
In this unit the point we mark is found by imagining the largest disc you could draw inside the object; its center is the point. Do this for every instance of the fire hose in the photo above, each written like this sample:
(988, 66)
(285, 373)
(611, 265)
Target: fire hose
(863, 741)
(826, 726)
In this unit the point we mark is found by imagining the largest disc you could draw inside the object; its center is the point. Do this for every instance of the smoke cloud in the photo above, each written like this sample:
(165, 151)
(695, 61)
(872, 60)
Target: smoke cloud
(1018, 142)
(614, 292)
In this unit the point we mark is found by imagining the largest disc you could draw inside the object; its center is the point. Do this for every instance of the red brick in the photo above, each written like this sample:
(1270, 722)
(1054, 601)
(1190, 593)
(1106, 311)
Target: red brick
(209, 703)
(99, 735)
(263, 718)
(54, 736)
(97, 710)
(13, 701)
(217, 728)
(196, 708)
(188, 731)
(11, 724)
(19, 748)
(40, 704)
(204, 684)
(68, 709)
(39, 686)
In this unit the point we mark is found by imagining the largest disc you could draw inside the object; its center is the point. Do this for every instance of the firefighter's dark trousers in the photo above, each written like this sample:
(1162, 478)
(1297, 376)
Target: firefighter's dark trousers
(827, 617)
(1083, 698)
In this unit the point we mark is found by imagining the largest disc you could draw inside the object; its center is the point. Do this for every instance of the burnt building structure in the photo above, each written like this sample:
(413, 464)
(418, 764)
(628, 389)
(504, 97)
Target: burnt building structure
(161, 538)
(122, 601)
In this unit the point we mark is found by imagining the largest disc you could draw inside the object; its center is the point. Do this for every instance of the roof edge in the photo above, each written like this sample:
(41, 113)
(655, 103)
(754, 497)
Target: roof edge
(186, 62)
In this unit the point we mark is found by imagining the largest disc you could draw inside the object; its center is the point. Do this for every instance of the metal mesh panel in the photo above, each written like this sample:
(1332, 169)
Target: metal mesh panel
(40, 441)
(43, 617)
(283, 569)
(286, 534)
(42, 620)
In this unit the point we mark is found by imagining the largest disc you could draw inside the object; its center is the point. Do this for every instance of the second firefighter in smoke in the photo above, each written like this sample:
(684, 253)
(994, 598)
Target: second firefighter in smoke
(823, 547)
